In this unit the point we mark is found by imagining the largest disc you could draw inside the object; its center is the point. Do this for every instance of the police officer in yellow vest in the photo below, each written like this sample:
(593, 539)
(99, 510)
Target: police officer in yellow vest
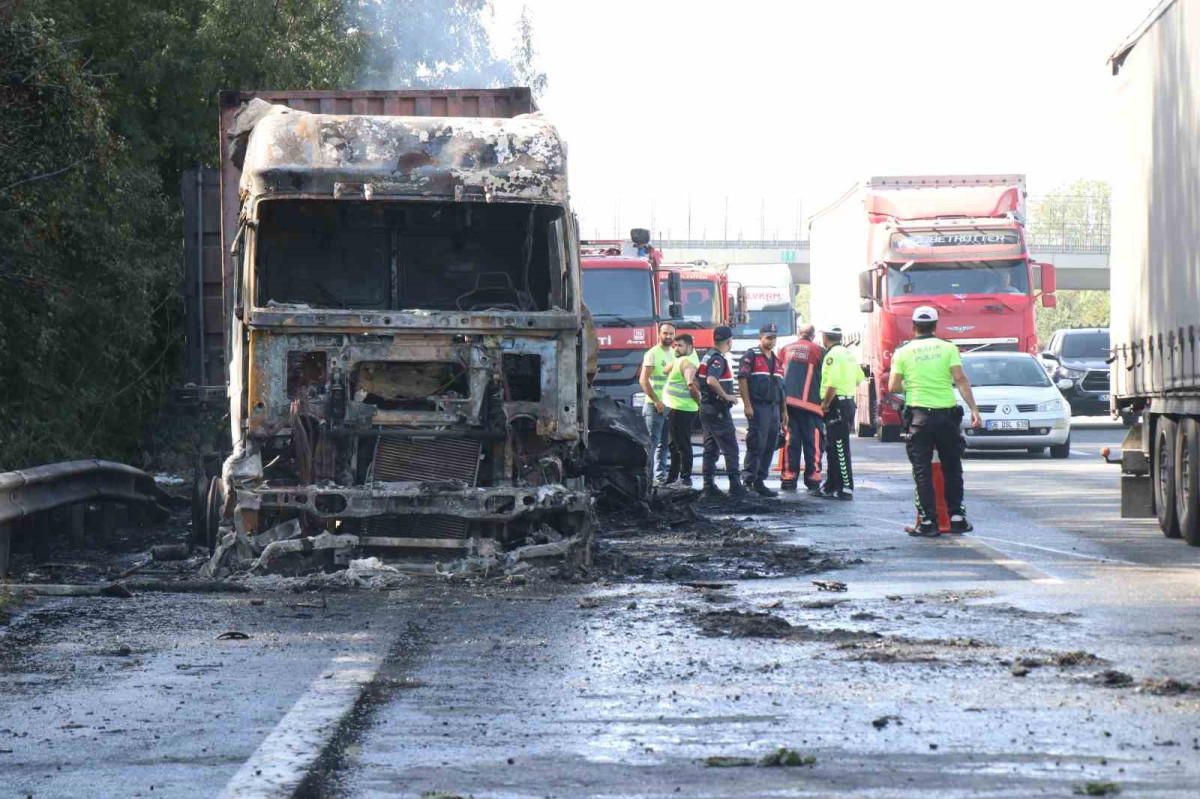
(840, 376)
(683, 402)
(926, 369)
(653, 380)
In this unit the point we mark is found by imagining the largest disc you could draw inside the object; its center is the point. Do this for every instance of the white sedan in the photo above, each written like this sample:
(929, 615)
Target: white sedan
(1020, 406)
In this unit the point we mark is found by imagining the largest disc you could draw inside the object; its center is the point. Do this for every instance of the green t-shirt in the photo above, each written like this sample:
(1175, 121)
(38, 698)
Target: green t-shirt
(656, 360)
(925, 363)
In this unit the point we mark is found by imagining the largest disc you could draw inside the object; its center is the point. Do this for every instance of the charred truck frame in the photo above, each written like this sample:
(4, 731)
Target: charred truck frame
(405, 337)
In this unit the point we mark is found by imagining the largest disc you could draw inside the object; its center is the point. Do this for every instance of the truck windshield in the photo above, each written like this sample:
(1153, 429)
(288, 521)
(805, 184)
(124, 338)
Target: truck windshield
(783, 317)
(1017, 370)
(1085, 345)
(409, 255)
(623, 293)
(958, 277)
(699, 300)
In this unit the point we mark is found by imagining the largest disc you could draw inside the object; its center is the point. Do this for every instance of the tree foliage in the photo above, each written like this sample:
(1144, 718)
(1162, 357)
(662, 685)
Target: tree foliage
(102, 104)
(1076, 308)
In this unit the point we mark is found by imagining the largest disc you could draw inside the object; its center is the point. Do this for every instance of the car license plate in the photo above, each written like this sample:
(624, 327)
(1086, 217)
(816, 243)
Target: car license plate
(1008, 424)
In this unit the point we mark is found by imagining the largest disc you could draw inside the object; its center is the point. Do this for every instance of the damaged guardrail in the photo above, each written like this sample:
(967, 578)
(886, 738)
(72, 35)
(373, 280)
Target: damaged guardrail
(28, 492)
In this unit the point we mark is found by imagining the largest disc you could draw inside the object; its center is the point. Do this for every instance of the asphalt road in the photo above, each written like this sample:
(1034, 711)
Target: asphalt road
(948, 667)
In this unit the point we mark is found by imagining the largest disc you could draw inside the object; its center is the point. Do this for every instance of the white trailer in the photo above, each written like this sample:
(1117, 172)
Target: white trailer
(1155, 272)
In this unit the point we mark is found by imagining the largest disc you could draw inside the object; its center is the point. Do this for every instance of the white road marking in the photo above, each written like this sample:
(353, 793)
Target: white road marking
(281, 762)
(1058, 551)
(1019, 567)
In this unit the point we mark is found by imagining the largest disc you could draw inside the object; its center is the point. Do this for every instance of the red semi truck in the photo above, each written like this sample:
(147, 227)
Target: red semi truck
(705, 298)
(954, 242)
(620, 289)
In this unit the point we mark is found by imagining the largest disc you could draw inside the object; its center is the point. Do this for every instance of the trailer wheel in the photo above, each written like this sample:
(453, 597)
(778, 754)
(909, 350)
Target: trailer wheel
(1163, 466)
(1187, 470)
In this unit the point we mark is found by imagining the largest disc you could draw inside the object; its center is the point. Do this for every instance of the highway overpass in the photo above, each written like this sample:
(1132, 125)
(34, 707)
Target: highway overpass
(1078, 266)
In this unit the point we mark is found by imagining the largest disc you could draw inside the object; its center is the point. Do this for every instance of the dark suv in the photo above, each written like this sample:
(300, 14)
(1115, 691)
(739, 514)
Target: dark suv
(1079, 356)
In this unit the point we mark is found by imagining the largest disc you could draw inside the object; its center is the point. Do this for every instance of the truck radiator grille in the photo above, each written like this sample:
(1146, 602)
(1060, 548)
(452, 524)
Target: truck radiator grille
(416, 527)
(409, 459)
(1096, 381)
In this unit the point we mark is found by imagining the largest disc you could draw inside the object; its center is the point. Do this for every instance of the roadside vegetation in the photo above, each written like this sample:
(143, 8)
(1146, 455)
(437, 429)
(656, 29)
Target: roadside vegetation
(102, 104)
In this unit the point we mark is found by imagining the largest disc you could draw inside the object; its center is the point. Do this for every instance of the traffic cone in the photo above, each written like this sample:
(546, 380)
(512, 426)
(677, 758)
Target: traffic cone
(939, 493)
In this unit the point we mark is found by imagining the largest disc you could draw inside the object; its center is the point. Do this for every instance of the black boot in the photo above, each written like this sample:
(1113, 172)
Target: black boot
(787, 485)
(761, 489)
(926, 528)
(711, 491)
(736, 489)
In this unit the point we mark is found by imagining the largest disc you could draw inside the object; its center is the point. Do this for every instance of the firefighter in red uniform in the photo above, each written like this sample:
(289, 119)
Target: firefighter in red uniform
(805, 419)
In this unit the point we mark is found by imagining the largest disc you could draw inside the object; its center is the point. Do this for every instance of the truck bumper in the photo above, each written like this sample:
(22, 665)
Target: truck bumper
(499, 504)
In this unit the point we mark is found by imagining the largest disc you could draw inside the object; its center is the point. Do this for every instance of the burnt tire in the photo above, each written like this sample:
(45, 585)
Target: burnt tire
(1187, 486)
(212, 513)
(1163, 476)
(200, 486)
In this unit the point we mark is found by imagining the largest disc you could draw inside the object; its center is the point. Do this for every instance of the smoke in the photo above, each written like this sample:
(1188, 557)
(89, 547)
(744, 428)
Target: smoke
(443, 44)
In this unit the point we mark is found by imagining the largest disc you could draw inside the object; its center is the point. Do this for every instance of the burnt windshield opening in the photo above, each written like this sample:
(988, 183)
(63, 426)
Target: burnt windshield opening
(924, 278)
(410, 255)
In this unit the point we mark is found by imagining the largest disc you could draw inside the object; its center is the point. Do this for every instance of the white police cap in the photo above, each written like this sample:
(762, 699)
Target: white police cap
(925, 313)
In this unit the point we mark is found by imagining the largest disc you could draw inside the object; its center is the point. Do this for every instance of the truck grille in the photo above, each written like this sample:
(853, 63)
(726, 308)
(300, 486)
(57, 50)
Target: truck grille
(398, 460)
(1096, 381)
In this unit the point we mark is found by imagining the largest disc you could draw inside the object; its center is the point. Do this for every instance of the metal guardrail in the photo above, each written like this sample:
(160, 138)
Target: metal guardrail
(28, 492)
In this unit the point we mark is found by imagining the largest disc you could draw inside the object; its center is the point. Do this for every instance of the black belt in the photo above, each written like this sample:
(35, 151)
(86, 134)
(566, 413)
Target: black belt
(933, 410)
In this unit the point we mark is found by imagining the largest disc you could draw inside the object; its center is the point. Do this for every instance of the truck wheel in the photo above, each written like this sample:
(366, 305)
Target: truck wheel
(1187, 490)
(1062, 450)
(1163, 467)
(889, 433)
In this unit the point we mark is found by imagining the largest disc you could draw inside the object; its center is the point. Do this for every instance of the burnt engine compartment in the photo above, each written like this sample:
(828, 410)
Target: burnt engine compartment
(443, 413)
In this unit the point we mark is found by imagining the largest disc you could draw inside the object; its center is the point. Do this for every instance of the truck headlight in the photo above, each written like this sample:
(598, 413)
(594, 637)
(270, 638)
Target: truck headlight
(638, 400)
(1050, 405)
(1074, 374)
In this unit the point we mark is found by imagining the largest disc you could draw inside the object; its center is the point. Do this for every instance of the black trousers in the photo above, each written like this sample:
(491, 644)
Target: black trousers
(838, 422)
(805, 441)
(680, 424)
(936, 429)
(720, 438)
(762, 439)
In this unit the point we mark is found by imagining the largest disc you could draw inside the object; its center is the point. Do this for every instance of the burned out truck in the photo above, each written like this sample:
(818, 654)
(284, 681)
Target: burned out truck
(405, 336)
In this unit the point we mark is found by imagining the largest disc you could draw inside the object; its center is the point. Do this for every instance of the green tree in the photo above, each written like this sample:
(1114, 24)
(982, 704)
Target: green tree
(85, 334)
(1076, 308)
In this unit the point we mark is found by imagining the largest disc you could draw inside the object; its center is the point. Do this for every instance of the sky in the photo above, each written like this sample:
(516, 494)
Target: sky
(776, 108)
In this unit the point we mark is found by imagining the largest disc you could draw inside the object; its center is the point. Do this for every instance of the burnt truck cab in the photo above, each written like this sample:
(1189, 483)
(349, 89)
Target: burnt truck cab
(406, 336)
